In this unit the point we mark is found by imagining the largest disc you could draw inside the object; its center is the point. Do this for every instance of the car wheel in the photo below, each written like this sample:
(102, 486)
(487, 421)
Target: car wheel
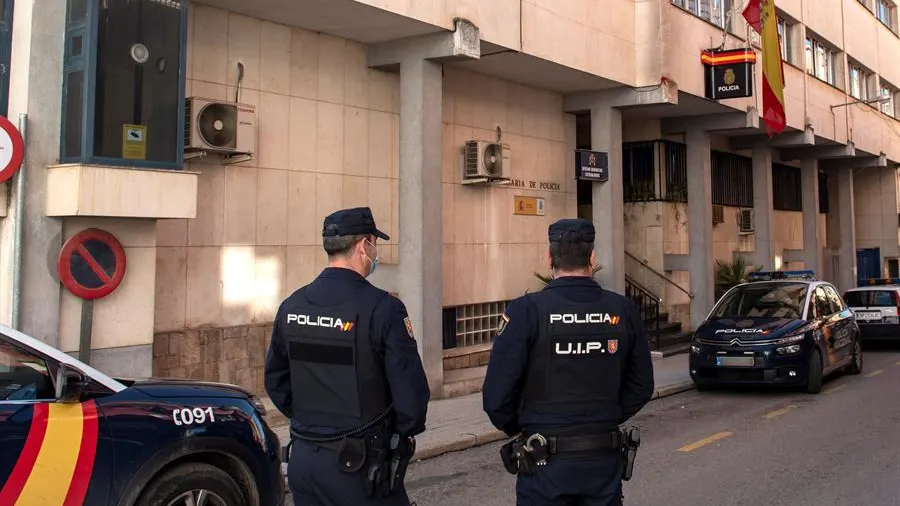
(814, 374)
(193, 484)
(856, 360)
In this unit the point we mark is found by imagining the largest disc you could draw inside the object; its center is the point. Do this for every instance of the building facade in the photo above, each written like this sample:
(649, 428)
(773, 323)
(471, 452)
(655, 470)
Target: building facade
(362, 103)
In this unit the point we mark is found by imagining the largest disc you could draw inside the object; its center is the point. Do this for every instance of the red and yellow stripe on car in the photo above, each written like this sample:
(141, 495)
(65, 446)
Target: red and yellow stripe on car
(54, 468)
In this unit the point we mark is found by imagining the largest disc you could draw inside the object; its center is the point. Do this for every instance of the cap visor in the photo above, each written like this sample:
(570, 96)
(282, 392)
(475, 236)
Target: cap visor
(381, 235)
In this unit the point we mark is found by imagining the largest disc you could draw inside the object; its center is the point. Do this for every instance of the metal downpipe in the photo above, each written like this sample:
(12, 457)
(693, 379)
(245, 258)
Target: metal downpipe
(19, 236)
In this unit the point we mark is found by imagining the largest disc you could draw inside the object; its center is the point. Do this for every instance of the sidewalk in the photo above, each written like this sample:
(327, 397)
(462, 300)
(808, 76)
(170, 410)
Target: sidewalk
(459, 423)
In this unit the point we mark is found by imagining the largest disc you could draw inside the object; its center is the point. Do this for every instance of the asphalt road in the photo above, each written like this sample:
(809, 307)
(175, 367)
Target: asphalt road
(841, 447)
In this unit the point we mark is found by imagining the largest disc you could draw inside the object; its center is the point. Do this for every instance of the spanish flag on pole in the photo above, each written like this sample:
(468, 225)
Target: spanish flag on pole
(760, 14)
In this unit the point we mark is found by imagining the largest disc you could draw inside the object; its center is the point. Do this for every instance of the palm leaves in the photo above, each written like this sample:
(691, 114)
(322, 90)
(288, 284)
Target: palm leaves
(729, 274)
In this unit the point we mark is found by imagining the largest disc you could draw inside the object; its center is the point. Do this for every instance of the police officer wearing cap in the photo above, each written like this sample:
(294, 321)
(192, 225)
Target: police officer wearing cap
(569, 365)
(343, 365)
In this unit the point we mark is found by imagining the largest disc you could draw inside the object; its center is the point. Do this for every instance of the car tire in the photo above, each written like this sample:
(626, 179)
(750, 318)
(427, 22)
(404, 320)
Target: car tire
(814, 374)
(169, 487)
(856, 360)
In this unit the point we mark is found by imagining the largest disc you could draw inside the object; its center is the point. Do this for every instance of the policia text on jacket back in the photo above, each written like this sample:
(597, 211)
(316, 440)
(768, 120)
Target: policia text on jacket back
(344, 366)
(569, 365)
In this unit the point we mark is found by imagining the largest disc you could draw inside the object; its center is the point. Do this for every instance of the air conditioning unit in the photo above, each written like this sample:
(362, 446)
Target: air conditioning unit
(745, 221)
(485, 162)
(718, 214)
(219, 127)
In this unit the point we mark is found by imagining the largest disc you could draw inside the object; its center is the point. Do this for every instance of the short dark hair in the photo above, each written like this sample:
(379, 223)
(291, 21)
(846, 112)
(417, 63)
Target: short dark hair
(570, 256)
(340, 245)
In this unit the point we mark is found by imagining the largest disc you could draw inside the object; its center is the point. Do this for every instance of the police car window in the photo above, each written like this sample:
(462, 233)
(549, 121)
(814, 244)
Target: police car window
(23, 376)
(836, 304)
(763, 300)
(823, 305)
(883, 298)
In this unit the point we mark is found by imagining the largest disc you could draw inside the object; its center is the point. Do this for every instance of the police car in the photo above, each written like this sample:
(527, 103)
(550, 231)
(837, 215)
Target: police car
(71, 435)
(876, 307)
(779, 328)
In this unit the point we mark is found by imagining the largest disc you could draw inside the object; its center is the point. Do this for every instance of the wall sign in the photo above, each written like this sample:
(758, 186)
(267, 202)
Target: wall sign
(528, 206)
(591, 165)
(134, 142)
(535, 185)
(728, 74)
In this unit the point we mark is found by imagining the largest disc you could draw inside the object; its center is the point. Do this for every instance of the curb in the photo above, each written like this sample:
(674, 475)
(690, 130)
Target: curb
(468, 441)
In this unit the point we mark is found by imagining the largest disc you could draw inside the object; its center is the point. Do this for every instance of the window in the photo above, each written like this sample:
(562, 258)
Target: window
(884, 11)
(859, 82)
(732, 179)
(787, 190)
(836, 304)
(6, 8)
(784, 39)
(820, 61)
(763, 300)
(887, 93)
(870, 298)
(714, 11)
(109, 91)
(23, 376)
(823, 192)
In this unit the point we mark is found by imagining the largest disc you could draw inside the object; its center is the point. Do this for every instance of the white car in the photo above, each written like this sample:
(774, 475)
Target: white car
(876, 308)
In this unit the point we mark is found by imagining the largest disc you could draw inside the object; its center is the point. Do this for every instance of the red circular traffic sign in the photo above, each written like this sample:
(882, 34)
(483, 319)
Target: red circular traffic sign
(91, 264)
(12, 149)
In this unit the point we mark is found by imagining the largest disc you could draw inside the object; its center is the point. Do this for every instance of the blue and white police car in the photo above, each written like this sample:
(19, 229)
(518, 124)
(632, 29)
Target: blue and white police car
(779, 328)
(73, 436)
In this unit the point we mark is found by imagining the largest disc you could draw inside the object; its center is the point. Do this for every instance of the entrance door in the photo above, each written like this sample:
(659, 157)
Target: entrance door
(868, 263)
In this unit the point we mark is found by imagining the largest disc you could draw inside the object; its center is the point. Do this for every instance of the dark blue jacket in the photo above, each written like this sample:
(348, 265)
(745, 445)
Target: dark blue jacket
(390, 338)
(502, 392)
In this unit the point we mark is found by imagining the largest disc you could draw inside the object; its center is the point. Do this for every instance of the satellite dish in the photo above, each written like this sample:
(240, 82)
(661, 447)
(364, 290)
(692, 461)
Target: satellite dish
(217, 124)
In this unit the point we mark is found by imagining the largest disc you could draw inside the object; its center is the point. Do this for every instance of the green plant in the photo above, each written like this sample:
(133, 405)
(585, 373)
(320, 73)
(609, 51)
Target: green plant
(729, 274)
(546, 278)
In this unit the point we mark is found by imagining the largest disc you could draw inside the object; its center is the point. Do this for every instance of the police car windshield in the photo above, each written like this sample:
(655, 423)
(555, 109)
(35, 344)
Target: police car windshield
(763, 300)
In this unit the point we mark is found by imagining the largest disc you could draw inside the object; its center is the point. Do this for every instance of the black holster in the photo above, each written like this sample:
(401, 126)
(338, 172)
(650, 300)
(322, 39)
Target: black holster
(631, 440)
(516, 459)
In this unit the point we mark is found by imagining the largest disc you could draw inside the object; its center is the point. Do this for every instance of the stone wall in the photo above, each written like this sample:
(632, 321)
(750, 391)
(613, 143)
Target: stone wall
(230, 355)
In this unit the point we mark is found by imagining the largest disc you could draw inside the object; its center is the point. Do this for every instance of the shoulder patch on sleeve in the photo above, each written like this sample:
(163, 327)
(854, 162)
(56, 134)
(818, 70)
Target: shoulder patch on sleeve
(409, 329)
(503, 321)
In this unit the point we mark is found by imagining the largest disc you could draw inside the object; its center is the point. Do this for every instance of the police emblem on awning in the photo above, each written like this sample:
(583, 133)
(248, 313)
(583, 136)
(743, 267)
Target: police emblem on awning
(612, 346)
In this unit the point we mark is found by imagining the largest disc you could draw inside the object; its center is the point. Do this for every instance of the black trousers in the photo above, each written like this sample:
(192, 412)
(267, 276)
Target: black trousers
(315, 479)
(573, 481)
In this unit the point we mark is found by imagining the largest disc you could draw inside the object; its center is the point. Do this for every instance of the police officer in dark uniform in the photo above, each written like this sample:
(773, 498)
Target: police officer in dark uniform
(343, 365)
(569, 365)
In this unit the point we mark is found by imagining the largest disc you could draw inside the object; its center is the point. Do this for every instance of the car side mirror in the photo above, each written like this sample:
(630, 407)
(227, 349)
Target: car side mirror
(71, 384)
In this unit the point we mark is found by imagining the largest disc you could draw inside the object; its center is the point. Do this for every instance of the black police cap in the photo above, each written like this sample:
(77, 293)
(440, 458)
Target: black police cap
(572, 230)
(355, 221)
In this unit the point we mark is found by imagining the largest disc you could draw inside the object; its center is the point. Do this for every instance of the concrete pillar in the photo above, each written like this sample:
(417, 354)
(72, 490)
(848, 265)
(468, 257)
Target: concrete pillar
(845, 276)
(421, 239)
(763, 213)
(608, 206)
(700, 232)
(35, 88)
(420, 273)
(812, 248)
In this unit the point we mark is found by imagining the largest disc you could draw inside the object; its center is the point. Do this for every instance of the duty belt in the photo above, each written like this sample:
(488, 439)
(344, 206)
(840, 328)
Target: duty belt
(572, 444)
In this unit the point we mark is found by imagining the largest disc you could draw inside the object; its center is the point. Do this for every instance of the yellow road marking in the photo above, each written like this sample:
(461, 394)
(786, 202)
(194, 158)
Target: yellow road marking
(703, 442)
(779, 412)
(874, 373)
(835, 389)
